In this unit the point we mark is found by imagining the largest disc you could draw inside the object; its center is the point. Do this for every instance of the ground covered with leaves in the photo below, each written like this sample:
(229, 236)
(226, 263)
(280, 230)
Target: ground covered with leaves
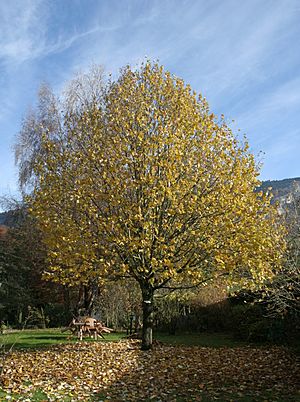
(120, 371)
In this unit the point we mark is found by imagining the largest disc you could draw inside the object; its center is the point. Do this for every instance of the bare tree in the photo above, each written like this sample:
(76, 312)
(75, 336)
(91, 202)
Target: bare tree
(283, 294)
(28, 144)
(84, 90)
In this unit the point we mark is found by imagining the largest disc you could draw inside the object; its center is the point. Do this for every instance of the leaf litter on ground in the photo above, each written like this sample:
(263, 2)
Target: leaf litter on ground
(120, 371)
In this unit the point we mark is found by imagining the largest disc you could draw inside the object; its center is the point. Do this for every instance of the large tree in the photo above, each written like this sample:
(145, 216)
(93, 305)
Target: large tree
(149, 183)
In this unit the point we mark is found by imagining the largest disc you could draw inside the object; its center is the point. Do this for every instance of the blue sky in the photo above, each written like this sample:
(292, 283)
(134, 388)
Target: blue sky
(243, 56)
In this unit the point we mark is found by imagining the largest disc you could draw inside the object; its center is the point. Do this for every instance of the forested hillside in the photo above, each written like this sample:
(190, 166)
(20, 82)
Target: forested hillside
(282, 188)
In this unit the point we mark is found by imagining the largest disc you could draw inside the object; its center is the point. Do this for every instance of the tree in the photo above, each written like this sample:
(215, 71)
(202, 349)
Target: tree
(24, 295)
(22, 257)
(83, 90)
(151, 185)
(282, 295)
(28, 146)
(50, 115)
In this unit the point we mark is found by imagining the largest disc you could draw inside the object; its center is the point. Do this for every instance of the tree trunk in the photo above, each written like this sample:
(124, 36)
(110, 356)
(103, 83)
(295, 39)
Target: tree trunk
(147, 293)
(86, 297)
(67, 306)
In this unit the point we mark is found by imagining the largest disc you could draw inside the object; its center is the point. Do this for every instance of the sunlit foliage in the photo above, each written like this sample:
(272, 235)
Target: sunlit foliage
(149, 183)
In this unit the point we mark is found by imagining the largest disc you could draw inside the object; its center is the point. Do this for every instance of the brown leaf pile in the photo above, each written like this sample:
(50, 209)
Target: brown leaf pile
(121, 372)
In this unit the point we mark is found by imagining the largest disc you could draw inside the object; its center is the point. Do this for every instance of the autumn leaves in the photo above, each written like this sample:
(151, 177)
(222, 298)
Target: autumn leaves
(147, 183)
(119, 371)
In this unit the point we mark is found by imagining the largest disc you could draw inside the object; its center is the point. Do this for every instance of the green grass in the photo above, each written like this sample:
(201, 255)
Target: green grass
(40, 396)
(212, 340)
(39, 338)
(37, 396)
(45, 337)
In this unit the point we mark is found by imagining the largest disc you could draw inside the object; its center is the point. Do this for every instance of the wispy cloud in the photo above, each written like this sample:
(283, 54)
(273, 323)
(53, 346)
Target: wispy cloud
(22, 29)
(242, 55)
(237, 42)
(275, 108)
(24, 32)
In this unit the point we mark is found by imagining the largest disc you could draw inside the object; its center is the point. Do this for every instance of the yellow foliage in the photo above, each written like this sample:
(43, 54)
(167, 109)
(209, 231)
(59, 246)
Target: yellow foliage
(150, 184)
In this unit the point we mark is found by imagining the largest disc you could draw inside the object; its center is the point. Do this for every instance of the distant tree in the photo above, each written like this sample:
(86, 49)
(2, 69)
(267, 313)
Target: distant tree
(119, 304)
(21, 260)
(28, 145)
(282, 295)
(149, 184)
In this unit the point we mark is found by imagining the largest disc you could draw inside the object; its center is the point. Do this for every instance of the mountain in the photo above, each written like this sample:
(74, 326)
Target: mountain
(284, 191)
(282, 187)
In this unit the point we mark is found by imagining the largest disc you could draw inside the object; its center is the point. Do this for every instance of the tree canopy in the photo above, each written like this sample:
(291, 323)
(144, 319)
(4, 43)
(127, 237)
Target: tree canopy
(149, 183)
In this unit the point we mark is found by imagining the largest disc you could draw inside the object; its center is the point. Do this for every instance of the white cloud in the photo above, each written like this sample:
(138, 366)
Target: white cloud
(22, 30)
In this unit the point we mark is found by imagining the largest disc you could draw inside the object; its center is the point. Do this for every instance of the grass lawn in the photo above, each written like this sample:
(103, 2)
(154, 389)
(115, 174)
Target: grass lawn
(45, 337)
(38, 338)
(183, 368)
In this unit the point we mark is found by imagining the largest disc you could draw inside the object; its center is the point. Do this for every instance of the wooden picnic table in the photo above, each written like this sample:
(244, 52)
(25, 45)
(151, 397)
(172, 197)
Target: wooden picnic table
(89, 326)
